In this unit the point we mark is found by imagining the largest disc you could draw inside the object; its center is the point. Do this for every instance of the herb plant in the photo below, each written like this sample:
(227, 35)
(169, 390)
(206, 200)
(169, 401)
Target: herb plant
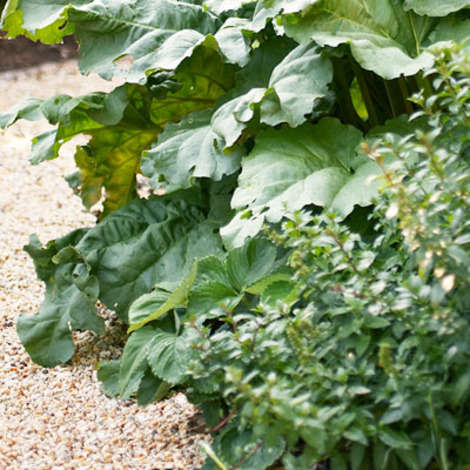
(360, 359)
(239, 114)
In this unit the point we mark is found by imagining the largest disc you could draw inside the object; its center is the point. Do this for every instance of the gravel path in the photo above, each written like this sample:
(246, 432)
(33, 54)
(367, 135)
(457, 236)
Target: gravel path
(58, 418)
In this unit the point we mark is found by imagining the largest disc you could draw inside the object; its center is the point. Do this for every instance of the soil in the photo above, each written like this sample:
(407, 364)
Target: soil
(21, 52)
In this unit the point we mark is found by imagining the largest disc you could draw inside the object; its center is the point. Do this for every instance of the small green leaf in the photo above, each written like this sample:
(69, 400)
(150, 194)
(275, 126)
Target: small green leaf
(170, 355)
(177, 298)
(108, 375)
(151, 389)
(220, 285)
(315, 437)
(395, 439)
(356, 456)
(134, 361)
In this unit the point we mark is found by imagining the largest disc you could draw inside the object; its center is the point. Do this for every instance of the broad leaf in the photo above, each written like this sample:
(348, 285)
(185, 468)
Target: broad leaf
(125, 122)
(110, 162)
(119, 133)
(436, 7)
(185, 151)
(29, 110)
(46, 23)
(69, 302)
(267, 9)
(232, 41)
(291, 168)
(147, 306)
(157, 34)
(196, 85)
(288, 95)
(63, 108)
(300, 79)
(232, 118)
(382, 36)
(152, 306)
(145, 243)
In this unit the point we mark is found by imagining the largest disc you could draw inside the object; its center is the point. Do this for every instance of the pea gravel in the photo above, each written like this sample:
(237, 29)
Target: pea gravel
(59, 418)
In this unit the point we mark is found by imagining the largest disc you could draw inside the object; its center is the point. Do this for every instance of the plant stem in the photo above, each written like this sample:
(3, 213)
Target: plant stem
(207, 448)
(224, 422)
(247, 456)
(415, 36)
(392, 101)
(405, 94)
(344, 97)
(373, 119)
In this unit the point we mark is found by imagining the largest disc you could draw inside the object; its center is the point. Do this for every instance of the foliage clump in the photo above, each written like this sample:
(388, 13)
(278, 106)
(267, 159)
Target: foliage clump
(364, 363)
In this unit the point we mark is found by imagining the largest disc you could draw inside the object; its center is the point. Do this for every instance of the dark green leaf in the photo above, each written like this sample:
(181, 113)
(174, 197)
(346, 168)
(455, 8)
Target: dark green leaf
(134, 361)
(145, 243)
(108, 375)
(170, 355)
(69, 302)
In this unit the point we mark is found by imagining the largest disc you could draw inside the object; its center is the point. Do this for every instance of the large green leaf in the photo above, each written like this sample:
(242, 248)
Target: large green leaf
(436, 7)
(382, 36)
(63, 108)
(46, 22)
(267, 9)
(110, 161)
(120, 129)
(185, 151)
(120, 259)
(232, 41)
(145, 243)
(198, 82)
(288, 94)
(30, 110)
(291, 168)
(69, 302)
(151, 306)
(300, 79)
(125, 122)
(158, 34)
